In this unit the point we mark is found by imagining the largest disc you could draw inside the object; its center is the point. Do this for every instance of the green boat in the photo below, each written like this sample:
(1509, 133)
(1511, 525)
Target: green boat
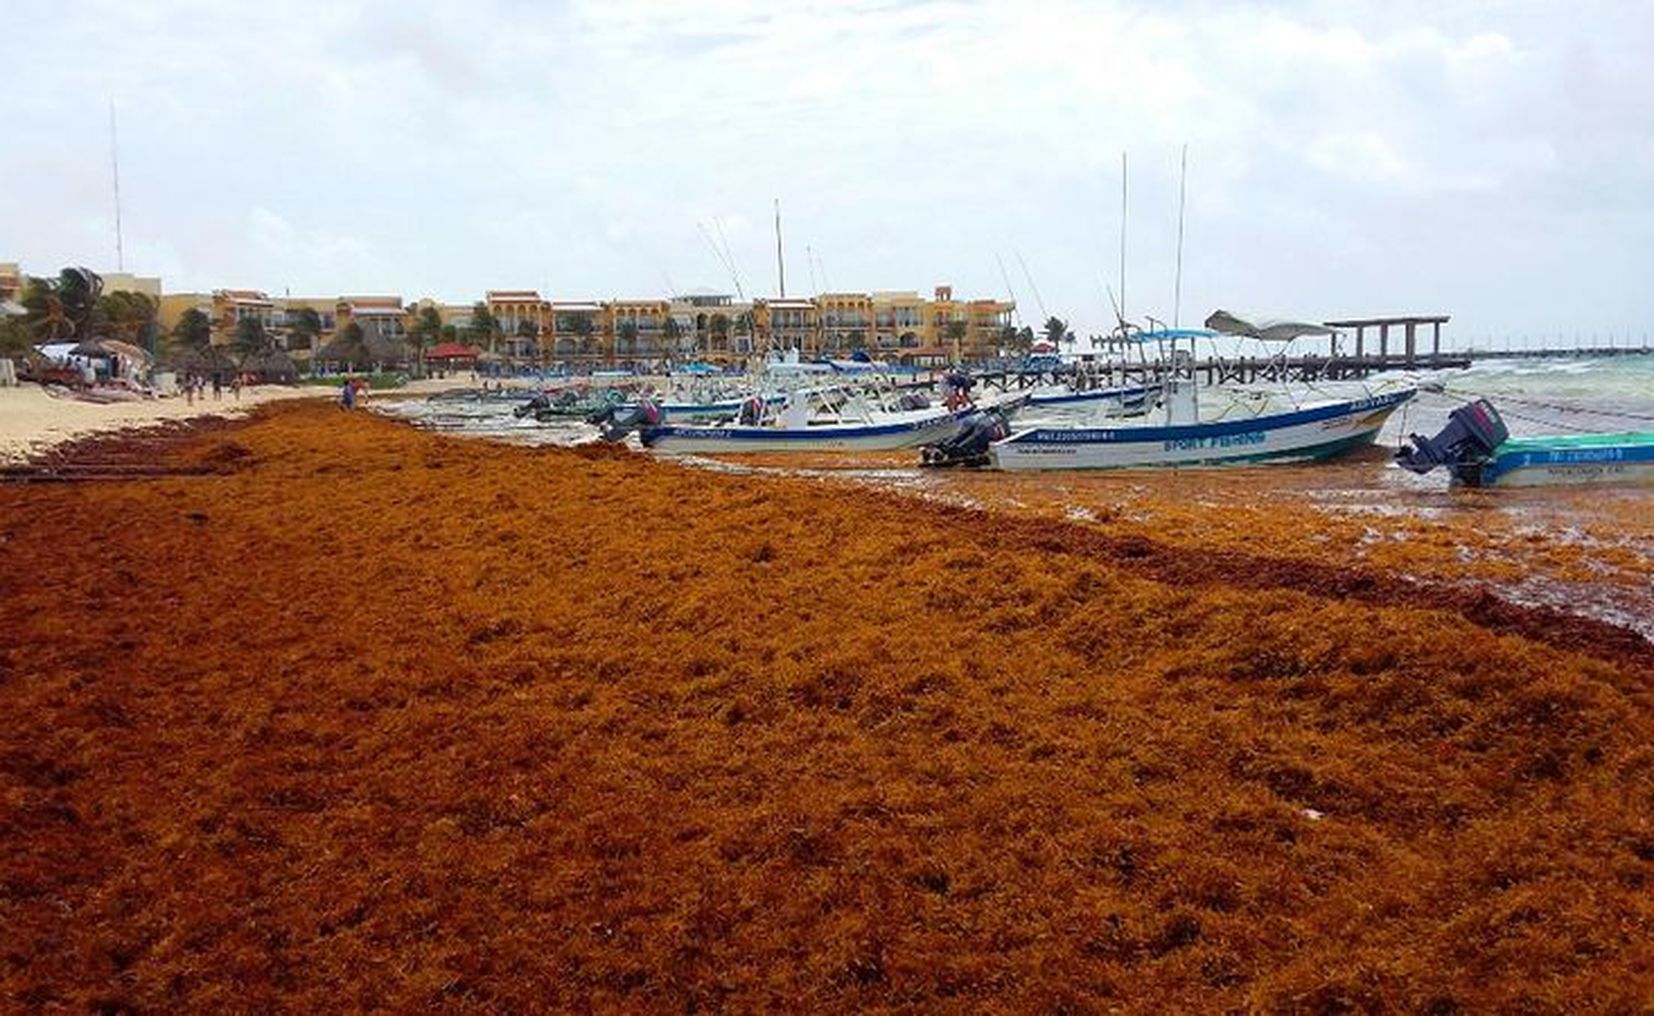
(1477, 449)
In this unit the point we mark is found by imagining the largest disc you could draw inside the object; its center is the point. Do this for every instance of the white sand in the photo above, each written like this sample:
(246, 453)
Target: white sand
(32, 421)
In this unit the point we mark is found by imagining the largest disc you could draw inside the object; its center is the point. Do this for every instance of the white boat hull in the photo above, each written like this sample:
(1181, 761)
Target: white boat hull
(1311, 433)
(827, 437)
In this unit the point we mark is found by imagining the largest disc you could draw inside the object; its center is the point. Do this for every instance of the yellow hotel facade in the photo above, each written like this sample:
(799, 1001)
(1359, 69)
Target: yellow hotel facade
(895, 325)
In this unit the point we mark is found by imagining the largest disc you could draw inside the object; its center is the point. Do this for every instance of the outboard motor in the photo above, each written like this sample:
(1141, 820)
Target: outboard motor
(969, 444)
(533, 406)
(1464, 446)
(618, 421)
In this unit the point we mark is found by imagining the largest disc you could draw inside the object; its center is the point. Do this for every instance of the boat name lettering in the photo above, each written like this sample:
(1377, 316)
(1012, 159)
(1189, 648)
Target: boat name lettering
(1245, 437)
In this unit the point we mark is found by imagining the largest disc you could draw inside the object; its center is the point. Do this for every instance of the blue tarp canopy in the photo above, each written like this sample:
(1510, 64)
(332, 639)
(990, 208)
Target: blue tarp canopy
(1172, 335)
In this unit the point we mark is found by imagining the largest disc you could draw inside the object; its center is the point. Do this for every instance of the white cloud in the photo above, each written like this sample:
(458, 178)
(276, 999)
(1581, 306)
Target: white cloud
(379, 147)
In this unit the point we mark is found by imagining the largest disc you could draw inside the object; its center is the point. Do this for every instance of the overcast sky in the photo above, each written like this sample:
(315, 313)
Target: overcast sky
(1490, 160)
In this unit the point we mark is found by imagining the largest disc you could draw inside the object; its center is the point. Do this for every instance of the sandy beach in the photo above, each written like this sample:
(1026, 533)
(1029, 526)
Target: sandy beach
(32, 420)
(371, 719)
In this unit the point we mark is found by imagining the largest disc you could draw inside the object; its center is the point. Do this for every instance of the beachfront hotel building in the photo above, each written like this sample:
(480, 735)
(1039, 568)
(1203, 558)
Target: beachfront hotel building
(903, 326)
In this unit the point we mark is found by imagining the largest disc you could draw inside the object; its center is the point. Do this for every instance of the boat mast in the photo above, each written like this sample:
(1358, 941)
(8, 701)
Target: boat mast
(1032, 285)
(1182, 193)
(780, 265)
(115, 174)
(1009, 289)
(1121, 309)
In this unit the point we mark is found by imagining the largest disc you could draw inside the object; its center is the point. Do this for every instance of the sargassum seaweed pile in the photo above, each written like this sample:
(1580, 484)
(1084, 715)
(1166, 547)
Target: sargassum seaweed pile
(371, 720)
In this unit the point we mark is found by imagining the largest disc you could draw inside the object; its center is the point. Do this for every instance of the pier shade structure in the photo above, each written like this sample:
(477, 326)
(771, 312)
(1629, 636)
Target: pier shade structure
(1409, 325)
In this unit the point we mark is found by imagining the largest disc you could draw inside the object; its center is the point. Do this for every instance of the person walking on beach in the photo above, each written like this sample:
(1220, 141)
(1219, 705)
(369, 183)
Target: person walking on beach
(235, 387)
(189, 389)
(347, 394)
(217, 387)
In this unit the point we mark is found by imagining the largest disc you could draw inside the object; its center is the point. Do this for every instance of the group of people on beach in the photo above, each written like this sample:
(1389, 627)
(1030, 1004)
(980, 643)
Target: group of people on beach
(195, 387)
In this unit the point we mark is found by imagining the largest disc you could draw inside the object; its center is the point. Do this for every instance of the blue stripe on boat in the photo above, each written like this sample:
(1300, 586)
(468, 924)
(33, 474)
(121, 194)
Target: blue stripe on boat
(1217, 428)
(1606, 455)
(816, 433)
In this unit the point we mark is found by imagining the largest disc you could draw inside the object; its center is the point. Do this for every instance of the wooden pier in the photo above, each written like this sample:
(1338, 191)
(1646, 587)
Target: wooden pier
(1221, 370)
(1358, 348)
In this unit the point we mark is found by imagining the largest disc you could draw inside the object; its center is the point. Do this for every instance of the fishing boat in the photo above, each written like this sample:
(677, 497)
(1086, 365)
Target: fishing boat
(570, 403)
(1477, 450)
(1309, 431)
(1314, 431)
(814, 421)
(1119, 400)
(719, 410)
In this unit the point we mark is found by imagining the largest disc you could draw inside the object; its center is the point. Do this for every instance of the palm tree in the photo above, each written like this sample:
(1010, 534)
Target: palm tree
(426, 332)
(14, 335)
(250, 337)
(63, 307)
(956, 331)
(580, 326)
(193, 330)
(671, 333)
(485, 327)
(719, 326)
(529, 331)
(125, 315)
(304, 328)
(353, 342)
(1056, 331)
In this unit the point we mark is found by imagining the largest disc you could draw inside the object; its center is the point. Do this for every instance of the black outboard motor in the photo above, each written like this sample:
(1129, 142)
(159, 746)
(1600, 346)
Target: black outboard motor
(1464, 446)
(618, 421)
(969, 444)
(533, 406)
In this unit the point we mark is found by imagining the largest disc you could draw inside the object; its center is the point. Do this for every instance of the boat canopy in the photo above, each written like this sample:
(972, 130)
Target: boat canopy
(1172, 335)
(1267, 329)
(857, 366)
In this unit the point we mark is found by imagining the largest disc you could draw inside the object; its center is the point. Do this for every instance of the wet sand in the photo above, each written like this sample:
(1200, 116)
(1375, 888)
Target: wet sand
(370, 719)
(1584, 550)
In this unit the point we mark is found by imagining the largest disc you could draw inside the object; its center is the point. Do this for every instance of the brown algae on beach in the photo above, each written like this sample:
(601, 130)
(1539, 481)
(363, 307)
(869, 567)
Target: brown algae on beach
(372, 720)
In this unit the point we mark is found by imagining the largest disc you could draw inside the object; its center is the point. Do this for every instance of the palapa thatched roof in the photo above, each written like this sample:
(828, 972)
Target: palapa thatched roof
(270, 365)
(372, 349)
(340, 349)
(384, 350)
(210, 360)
